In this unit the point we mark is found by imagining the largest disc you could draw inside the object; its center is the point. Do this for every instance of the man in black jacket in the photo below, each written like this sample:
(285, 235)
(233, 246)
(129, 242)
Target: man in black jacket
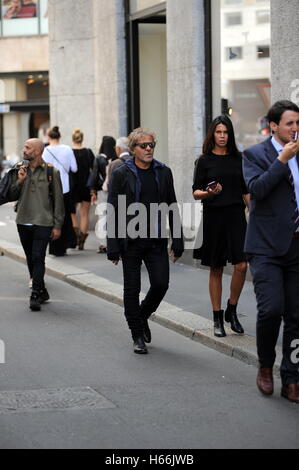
(148, 183)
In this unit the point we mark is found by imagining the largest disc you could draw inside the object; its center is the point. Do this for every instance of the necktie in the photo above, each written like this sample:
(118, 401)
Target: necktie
(296, 213)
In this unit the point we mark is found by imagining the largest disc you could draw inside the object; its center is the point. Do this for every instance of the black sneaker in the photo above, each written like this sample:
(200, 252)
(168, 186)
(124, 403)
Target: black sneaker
(43, 295)
(35, 301)
(147, 335)
(139, 346)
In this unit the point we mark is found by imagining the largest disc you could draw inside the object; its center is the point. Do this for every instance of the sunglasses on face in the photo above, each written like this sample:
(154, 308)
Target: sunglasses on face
(144, 145)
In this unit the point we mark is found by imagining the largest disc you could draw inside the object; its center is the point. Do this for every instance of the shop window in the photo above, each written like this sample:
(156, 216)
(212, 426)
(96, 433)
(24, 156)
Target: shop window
(241, 80)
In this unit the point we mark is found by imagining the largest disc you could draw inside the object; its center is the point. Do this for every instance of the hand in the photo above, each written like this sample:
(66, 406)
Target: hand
(214, 192)
(94, 198)
(289, 151)
(56, 232)
(22, 174)
(174, 258)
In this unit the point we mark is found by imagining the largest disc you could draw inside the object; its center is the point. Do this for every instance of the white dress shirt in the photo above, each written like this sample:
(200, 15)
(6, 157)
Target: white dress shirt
(293, 165)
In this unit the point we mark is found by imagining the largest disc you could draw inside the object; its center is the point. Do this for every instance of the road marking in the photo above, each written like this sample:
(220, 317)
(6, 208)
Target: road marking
(2, 224)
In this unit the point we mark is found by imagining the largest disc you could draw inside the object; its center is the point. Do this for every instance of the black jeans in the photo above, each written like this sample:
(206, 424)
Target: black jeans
(35, 239)
(155, 257)
(276, 285)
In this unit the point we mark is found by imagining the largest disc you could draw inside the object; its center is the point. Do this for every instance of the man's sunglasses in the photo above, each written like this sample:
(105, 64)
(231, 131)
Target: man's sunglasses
(144, 145)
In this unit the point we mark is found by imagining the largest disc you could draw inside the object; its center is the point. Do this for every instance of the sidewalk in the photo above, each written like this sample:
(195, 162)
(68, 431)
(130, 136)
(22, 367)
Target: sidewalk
(186, 308)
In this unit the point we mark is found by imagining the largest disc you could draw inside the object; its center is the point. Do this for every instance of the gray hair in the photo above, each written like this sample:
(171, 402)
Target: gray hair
(137, 133)
(123, 143)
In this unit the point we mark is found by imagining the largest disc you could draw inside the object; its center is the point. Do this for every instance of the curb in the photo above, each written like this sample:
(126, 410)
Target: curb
(195, 327)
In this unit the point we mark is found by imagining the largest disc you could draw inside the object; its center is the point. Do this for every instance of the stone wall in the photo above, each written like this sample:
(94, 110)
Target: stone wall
(87, 68)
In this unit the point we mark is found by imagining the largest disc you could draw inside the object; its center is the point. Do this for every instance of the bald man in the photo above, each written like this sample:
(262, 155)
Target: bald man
(40, 213)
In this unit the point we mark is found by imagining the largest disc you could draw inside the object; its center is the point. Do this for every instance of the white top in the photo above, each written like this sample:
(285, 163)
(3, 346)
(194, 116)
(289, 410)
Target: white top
(63, 158)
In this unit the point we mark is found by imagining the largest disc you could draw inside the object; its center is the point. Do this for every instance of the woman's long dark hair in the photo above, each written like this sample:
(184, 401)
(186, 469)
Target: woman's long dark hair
(107, 147)
(209, 143)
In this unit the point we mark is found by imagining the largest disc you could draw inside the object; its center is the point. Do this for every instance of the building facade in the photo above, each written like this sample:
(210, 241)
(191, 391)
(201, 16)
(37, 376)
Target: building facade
(168, 65)
(24, 73)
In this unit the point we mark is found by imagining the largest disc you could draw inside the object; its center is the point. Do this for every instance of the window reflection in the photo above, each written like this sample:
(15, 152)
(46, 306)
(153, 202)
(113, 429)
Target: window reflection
(245, 66)
(12, 9)
(138, 5)
(24, 17)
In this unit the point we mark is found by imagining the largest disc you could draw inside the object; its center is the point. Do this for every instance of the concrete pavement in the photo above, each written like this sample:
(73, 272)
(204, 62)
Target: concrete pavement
(92, 273)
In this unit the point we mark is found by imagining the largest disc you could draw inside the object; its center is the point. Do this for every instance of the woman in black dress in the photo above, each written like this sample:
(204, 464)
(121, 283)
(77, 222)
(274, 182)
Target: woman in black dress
(81, 192)
(219, 184)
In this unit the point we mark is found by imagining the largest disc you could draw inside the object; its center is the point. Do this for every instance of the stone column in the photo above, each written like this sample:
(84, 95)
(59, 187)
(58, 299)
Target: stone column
(87, 68)
(285, 50)
(186, 89)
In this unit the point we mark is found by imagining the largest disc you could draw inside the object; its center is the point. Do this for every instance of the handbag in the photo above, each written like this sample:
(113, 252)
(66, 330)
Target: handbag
(90, 182)
(4, 187)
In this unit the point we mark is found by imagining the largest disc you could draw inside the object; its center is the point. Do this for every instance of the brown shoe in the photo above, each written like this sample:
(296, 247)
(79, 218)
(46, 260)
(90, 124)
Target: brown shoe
(291, 392)
(264, 380)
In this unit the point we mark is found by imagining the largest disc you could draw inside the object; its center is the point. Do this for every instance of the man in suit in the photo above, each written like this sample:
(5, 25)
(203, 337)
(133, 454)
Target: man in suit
(272, 244)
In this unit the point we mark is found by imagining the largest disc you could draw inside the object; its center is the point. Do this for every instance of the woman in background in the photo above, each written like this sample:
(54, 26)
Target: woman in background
(219, 184)
(106, 155)
(80, 192)
(62, 157)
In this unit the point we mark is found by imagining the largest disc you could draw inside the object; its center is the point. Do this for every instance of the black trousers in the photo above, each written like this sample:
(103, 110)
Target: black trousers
(68, 237)
(155, 257)
(35, 239)
(276, 285)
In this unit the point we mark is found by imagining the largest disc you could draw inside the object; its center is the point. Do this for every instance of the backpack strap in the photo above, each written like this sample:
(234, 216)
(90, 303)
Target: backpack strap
(50, 172)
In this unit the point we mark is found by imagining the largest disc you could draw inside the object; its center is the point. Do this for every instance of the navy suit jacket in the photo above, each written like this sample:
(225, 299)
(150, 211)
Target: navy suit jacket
(272, 209)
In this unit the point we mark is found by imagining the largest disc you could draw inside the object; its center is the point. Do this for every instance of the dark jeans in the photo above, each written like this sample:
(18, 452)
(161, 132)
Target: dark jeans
(276, 285)
(35, 239)
(155, 257)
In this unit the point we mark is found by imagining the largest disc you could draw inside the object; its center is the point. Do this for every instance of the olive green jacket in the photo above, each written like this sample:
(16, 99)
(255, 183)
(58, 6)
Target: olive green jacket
(35, 205)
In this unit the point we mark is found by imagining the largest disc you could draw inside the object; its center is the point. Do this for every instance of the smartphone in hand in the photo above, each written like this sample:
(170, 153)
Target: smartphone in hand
(212, 185)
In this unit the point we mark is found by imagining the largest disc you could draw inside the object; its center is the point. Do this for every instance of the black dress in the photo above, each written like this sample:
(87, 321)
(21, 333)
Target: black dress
(80, 192)
(224, 221)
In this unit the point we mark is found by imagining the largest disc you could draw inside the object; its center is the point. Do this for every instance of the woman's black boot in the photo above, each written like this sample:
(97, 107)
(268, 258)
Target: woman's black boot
(231, 317)
(218, 323)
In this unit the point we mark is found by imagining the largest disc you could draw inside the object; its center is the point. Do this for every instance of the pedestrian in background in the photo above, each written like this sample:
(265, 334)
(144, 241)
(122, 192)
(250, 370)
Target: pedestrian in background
(40, 214)
(122, 152)
(272, 243)
(99, 191)
(80, 191)
(219, 184)
(146, 181)
(62, 157)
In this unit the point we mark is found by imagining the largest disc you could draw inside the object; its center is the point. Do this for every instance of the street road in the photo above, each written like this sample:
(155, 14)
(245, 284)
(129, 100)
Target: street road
(71, 380)
(188, 287)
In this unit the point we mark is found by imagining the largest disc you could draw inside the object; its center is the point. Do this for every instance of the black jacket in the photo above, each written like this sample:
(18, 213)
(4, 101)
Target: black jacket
(125, 181)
